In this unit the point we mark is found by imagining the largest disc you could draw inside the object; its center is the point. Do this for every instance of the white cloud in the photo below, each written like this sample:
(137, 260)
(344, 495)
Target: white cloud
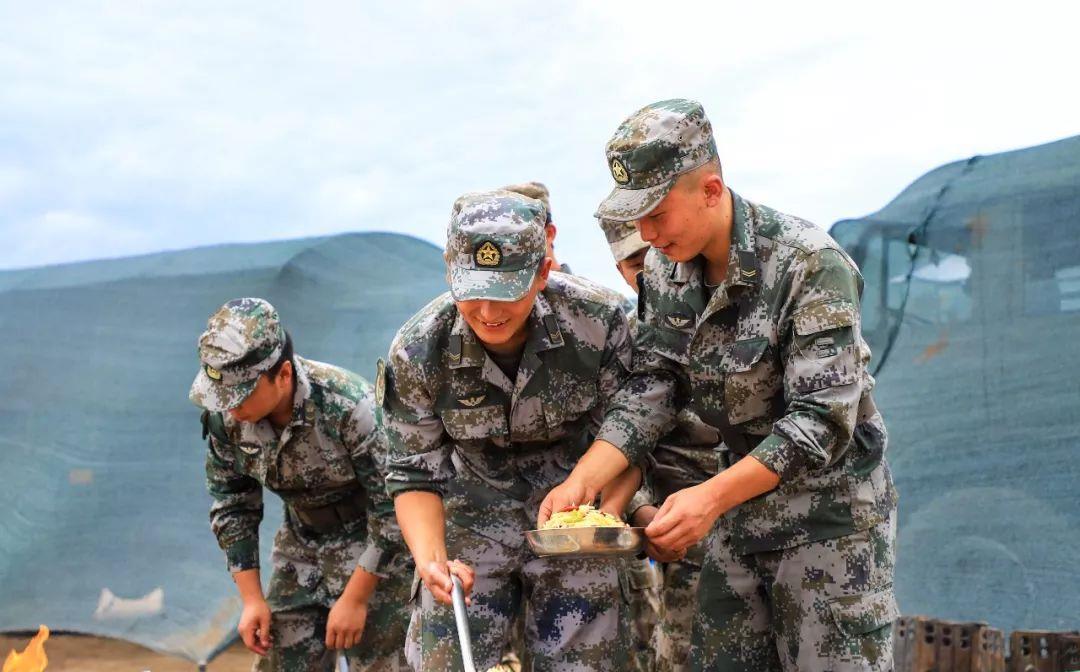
(209, 122)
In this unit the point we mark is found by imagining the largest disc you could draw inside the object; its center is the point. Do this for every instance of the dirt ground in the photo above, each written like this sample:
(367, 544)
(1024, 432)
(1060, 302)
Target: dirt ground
(71, 653)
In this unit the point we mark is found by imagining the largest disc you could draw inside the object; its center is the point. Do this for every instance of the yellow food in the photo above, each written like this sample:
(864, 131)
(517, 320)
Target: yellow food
(583, 516)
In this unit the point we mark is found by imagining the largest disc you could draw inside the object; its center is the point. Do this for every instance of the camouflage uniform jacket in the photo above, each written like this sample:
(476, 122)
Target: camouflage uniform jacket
(492, 447)
(687, 455)
(333, 447)
(775, 360)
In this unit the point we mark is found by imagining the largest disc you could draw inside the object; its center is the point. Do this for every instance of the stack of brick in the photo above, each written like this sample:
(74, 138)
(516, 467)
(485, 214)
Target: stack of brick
(924, 644)
(1044, 651)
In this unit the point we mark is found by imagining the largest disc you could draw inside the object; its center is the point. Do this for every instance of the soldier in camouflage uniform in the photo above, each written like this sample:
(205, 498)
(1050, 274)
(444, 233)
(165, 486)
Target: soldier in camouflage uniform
(641, 577)
(492, 391)
(754, 317)
(685, 457)
(309, 432)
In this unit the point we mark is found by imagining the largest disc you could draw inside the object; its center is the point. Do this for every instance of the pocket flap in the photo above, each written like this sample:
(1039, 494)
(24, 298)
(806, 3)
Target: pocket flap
(475, 423)
(641, 575)
(824, 316)
(742, 355)
(860, 614)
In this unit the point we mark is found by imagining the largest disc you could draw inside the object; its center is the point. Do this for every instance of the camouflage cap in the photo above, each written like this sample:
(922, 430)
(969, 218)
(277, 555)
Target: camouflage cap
(243, 339)
(649, 151)
(494, 245)
(623, 238)
(537, 190)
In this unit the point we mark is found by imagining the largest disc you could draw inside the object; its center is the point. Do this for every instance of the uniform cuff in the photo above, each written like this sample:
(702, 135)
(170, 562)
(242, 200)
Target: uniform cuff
(622, 434)
(242, 554)
(375, 560)
(642, 497)
(395, 488)
(780, 456)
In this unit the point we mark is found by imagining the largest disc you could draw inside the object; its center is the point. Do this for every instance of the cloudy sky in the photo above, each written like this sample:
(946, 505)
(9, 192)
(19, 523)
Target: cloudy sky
(131, 127)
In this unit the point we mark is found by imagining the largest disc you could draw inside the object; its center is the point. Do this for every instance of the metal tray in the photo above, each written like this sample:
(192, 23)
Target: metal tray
(585, 542)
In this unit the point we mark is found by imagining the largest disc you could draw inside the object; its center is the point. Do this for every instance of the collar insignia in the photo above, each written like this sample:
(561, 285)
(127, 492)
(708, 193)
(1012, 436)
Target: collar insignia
(212, 373)
(748, 272)
(472, 402)
(618, 171)
(488, 255)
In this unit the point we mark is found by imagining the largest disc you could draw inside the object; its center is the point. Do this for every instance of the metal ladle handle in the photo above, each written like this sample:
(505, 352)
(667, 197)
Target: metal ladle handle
(462, 619)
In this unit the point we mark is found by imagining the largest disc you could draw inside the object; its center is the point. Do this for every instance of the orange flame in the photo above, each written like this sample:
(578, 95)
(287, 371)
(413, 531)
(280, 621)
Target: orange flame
(33, 658)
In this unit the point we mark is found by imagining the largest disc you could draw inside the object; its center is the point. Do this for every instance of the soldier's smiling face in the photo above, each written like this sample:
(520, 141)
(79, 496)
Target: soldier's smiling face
(681, 225)
(503, 325)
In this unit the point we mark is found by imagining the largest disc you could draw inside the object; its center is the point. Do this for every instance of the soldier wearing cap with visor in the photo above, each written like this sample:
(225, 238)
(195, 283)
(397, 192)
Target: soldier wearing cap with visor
(642, 577)
(309, 432)
(492, 392)
(686, 456)
(752, 318)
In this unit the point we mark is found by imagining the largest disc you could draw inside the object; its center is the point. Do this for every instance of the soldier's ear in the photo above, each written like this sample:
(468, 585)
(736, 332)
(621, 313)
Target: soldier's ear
(713, 186)
(285, 372)
(543, 272)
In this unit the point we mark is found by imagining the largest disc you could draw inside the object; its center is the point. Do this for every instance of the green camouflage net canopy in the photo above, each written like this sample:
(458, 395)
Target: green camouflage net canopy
(972, 308)
(104, 511)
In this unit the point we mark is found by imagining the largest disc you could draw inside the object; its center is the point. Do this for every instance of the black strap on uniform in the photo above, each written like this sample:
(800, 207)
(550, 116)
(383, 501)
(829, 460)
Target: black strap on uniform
(454, 347)
(641, 295)
(352, 506)
(552, 326)
(213, 424)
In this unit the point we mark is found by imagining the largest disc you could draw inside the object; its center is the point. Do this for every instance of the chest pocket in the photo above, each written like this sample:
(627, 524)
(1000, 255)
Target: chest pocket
(751, 379)
(672, 343)
(250, 460)
(568, 401)
(824, 352)
(471, 424)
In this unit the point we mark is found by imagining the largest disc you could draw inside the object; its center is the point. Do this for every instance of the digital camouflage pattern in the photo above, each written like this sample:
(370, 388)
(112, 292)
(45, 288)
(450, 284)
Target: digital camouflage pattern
(686, 456)
(829, 605)
(679, 607)
(643, 589)
(777, 355)
(493, 448)
(494, 245)
(537, 190)
(623, 238)
(775, 359)
(648, 152)
(332, 449)
(572, 622)
(663, 598)
(243, 339)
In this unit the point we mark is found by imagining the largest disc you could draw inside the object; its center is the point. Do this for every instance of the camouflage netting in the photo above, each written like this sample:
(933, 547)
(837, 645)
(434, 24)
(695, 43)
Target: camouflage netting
(103, 511)
(972, 308)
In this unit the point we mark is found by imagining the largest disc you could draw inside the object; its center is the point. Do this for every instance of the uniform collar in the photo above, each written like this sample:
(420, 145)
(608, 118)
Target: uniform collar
(743, 266)
(303, 404)
(744, 269)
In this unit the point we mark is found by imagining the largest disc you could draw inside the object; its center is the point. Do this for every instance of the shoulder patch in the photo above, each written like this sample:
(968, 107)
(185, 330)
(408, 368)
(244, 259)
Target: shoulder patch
(380, 382)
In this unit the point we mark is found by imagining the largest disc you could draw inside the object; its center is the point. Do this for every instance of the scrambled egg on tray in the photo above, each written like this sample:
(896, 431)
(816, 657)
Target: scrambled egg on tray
(582, 516)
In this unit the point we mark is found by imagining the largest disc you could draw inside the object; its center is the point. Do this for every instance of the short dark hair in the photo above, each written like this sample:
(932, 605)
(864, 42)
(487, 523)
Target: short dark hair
(286, 356)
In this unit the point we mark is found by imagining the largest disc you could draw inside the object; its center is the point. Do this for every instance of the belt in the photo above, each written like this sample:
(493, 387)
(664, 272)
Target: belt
(334, 516)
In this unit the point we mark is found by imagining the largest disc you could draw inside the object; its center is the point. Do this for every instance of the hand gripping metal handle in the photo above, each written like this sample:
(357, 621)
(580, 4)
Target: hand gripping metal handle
(462, 618)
